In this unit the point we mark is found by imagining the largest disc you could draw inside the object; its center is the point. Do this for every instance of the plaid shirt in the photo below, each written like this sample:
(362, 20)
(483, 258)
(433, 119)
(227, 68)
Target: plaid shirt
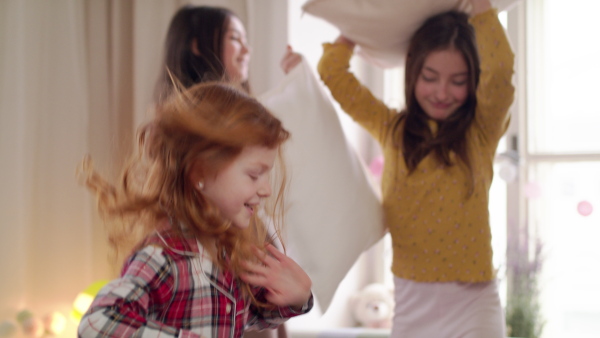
(171, 288)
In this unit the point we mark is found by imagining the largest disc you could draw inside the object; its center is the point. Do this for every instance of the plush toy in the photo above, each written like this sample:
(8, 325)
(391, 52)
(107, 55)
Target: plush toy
(373, 306)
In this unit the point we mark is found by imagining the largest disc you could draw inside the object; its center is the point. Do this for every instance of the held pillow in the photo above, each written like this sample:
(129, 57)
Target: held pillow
(332, 210)
(382, 28)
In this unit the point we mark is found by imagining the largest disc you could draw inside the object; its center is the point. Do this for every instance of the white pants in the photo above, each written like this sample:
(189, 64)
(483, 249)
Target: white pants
(447, 310)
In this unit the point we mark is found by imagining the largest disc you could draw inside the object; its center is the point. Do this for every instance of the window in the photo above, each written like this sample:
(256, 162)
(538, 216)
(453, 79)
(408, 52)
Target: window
(562, 161)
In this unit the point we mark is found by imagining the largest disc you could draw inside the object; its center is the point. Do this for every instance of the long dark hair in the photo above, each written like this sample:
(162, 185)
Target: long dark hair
(448, 30)
(204, 26)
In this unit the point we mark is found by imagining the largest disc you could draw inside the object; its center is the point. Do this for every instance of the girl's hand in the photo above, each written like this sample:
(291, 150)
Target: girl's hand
(480, 6)
(290, 60)
(285, 281)
(344, 40)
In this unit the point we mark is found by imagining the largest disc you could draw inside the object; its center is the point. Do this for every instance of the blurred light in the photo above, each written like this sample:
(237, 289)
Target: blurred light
(85, 298)
(55, 323)
(8, 328)
(508, 172)
(23, 315)
(376, 166)
(533, 190)
(585, 208)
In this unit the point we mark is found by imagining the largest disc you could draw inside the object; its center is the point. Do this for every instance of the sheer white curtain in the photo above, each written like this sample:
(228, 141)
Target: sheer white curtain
(47, 240)
(76, 77)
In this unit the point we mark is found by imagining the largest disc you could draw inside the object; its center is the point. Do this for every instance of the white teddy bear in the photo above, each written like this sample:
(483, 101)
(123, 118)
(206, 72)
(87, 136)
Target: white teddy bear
(373, 306)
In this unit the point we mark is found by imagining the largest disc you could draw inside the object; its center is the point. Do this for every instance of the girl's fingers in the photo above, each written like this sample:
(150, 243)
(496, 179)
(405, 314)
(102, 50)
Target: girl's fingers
(254, 268)
(290, 60)
(275, 252)
(265, 258)
(256, 280)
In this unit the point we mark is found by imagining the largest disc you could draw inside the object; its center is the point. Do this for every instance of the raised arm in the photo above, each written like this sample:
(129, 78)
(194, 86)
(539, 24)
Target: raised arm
(354, 98)
(495, 93)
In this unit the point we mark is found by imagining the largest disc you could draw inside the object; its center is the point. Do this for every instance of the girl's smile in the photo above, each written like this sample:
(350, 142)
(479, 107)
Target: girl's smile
(442, 86)
(239, 188)
(236, 52)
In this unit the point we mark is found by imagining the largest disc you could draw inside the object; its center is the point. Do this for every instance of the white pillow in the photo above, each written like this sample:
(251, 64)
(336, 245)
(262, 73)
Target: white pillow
(333, 211)
(382, 28)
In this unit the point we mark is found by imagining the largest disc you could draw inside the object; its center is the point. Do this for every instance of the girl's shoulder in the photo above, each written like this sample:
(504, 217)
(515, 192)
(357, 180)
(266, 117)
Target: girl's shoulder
(162, 248)
(173, 242)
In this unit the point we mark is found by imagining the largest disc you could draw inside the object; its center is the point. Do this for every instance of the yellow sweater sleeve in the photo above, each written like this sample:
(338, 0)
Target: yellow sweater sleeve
(495, 93)
(354, 98)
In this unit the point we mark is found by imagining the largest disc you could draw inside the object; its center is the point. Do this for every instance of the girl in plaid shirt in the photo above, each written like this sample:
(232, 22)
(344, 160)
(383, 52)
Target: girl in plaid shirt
(204, 266)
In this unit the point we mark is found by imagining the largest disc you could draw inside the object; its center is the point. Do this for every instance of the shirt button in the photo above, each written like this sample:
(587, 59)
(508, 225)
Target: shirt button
(228, 308)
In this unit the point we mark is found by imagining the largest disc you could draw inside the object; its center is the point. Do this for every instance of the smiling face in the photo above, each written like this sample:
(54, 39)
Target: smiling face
(443, 84)
(236, 52)
(239, 188)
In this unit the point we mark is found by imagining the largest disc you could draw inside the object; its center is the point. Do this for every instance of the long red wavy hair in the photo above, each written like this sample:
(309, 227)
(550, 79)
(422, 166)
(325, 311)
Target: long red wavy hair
(208, 123)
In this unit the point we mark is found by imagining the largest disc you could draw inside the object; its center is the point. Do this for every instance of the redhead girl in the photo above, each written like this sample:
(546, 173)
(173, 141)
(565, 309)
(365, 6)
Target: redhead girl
(204, 265)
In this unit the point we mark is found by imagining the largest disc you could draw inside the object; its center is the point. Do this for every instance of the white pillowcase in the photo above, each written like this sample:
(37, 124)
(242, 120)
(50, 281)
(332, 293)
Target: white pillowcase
(382, 28)
(333, 211)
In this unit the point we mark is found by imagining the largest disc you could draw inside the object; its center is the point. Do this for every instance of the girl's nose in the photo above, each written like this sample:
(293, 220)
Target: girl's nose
(265, 189)
(245, 48)
(441, 92)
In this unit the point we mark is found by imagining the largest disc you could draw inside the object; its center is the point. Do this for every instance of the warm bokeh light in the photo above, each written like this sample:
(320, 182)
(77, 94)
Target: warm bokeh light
(55, 323)
(85, 298)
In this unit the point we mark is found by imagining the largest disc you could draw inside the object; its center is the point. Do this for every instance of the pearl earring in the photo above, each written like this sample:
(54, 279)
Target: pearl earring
(200, 185)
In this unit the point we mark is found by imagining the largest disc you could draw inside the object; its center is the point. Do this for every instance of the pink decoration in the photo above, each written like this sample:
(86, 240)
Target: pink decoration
(585, 208)
(33, 327)
(533, 190)
(376, 166)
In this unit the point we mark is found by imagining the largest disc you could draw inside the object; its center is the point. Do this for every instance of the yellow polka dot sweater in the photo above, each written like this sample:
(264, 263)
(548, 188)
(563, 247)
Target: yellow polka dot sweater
(439, 234)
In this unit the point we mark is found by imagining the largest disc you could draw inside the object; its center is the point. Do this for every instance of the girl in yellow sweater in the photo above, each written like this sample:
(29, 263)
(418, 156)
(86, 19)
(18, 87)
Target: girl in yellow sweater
(439, 153)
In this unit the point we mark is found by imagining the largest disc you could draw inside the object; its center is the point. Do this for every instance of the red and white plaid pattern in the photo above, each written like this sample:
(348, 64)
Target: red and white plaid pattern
(170, 288)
